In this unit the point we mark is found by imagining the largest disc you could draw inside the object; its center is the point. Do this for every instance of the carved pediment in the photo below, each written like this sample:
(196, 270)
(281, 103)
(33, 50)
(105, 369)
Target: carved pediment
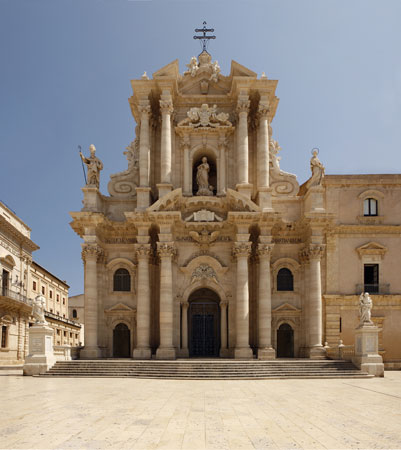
(171, 70)
(238, 70)
(371, 248)
(286, 307)
(119, 308)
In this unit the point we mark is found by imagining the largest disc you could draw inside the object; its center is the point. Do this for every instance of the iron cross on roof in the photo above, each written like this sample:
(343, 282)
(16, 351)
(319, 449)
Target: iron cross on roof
(204, 38)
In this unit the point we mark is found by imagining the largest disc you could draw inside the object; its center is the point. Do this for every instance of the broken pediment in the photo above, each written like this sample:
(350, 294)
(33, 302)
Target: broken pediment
(238, 70)
(171, 70)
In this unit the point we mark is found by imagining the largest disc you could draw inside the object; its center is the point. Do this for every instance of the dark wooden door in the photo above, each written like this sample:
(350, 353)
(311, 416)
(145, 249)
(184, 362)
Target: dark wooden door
(285, 341)
(121, 341)
(204, 329)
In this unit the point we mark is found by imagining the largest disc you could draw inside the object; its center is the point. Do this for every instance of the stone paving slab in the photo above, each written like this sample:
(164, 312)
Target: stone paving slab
(79, 413)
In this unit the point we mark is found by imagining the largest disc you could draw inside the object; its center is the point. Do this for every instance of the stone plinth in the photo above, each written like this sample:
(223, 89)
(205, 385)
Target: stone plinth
(92, 199)
(143, 198)
(266, 353)
(41, 356)
(367, 356)
(166, 353)
(164, 189)
(314, 200)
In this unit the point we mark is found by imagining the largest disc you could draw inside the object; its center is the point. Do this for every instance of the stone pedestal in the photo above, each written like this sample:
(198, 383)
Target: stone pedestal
(92, 199)
(164, 188)
(41, 357)
(264, 199)
(367, 356)
(245, 189)
(142, 198)
(314, 199)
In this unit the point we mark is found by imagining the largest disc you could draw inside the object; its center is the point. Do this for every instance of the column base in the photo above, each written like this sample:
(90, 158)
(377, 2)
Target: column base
(224, 353)
(142, 198)
(142, 353)
(245, 189)
(317, 352)
(266, 353)
(90, 353)
(166, 353)
(183, 353)
(164, 188)
(243, 353)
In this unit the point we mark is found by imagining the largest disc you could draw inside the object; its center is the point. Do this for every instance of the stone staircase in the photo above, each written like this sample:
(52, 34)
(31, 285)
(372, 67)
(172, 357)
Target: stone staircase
(196, 369)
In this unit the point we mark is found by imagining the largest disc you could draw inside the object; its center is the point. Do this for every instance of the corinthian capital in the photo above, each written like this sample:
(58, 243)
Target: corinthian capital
(315, 251)
(144, 109)
(166, 106)
(166, 249)
(243, 105)
(143, 251)
(265, 250)
(263, 110)
(242, 249)
(91, 251)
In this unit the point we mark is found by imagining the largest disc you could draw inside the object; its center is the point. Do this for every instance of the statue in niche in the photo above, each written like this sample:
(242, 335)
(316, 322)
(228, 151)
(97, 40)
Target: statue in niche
(365, 307)
(202, 178)
(317, 169)
(94, 166)
(38, 310)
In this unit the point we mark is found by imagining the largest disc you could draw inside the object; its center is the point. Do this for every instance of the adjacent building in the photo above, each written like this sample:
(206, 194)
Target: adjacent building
(207, 247)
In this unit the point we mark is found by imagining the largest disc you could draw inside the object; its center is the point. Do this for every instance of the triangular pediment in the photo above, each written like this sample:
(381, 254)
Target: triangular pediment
(171, 70)
(372, 246)
(119, 307)
(286, 307)
(238, 70)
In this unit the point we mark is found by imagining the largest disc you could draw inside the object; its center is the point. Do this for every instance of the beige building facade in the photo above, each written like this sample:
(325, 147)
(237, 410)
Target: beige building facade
(205, 247)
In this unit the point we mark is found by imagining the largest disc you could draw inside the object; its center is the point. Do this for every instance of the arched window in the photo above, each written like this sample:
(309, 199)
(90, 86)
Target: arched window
(370, 207)
(285, 280)
(122, 280)
(74, 314)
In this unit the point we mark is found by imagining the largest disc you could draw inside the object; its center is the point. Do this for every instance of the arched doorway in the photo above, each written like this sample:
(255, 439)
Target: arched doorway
(285, 341)
(204, 324)
(121, 341)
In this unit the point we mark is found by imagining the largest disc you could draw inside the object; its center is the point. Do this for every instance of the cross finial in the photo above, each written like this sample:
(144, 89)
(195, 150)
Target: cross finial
(204, 38)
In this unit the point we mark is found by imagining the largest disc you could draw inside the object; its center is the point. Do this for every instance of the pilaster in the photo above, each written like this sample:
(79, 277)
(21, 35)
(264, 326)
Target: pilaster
(243, 185)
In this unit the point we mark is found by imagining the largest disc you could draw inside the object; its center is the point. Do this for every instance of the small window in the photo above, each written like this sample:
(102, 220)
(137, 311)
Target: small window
(51, 294)
(65, 334)
(64, 316)
(285, 280)
(70, 334)
(58, 297)
(122, 280)
(63, 300)
(58, 332)
(371, 278)
(3, 336)
(34, 285)
(51, 310)
(370, 207)
(43, 290)
(74, 314)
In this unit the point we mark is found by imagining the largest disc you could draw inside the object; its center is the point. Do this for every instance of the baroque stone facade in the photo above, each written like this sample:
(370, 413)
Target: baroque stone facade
(206, 247)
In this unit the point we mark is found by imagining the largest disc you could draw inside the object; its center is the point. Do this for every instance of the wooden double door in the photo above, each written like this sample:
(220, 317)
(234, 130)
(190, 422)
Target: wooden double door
(204, 326)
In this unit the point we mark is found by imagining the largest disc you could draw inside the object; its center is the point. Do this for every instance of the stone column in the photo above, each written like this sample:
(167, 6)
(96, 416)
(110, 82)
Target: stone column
(222, 166)
(185, 143)
(90, 255)
(223, 328)
(166, 108)
(143, 190)
(263, 157)
(166, 349)
(241, 252)
(184, 324)
(242, 146)
(265, 350)
(142, 350)
(304, 260)
(316, 349)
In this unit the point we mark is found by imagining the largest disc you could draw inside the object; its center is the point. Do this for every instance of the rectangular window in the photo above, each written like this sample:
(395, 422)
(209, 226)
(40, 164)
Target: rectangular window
(65, 333)
(3, 336)
(371, 278)
(34, 285)
(51, 294)
(58, 332)
(58, 297)
(63, 301)
(43, 290)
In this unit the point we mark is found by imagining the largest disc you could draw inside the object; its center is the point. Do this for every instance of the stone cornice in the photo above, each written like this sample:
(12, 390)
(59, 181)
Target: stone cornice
(17, 235)
(366, 229)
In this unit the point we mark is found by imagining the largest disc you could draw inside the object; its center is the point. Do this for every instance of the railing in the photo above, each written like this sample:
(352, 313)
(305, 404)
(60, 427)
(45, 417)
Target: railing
(62, 352)
(7, 292)
(341, 351)
(380, 288)
(62, 319)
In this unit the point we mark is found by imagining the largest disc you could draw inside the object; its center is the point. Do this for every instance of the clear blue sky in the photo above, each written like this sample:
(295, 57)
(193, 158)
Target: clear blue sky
(65, 80)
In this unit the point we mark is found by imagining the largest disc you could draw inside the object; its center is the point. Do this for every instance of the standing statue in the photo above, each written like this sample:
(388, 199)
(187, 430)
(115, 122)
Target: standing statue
(202, 178)
(317, 169)
(365, 307)
(215, 72)
(94, 166)
(38, 310)
(192, 67)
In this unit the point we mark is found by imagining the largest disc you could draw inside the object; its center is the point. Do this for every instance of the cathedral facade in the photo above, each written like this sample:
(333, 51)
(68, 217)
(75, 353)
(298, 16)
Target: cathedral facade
(205, 247)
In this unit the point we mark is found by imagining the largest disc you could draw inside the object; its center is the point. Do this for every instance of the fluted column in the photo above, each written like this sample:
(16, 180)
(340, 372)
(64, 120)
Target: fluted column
(304, 260)
(242, 158)
(90, 255)
(185, 144)
(263, 153)
(184, 330)
(166, 350)
(316, 350)
(265, 350)
(222, 166)
(223, 328)
(166, 108)
(142, 350)
(144, 147)
(241, 252)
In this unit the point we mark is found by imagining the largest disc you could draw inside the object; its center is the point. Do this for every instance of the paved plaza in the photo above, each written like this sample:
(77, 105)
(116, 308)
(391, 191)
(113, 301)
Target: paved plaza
(66, 413)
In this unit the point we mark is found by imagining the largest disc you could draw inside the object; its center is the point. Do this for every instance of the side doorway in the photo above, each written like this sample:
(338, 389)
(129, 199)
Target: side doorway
(285, 341)
(121, 341)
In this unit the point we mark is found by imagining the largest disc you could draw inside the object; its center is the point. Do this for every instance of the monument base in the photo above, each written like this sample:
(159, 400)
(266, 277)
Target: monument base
(367, 356)
(41, 356)
(142, 353)
(243, 353)
(266, 353)
(166, 353)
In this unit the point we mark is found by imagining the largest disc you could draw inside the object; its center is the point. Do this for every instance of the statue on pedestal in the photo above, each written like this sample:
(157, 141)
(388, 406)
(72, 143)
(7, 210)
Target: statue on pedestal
(365, 307)
(94, 166)
(38, 310)
(317, 169)
(202, 178)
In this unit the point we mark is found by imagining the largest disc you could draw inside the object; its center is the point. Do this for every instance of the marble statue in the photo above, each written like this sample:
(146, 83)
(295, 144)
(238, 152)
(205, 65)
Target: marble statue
(365, 307)
(202, 178)
(317, 169)
(192, 67)
(215, 72)
(38, 310)
(94, 166)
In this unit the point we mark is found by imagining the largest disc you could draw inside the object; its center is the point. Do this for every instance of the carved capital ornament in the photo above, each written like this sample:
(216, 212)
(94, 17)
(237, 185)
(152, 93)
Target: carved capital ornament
(92, 251)
(241, 249)
(166, 249)
(265, 250)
